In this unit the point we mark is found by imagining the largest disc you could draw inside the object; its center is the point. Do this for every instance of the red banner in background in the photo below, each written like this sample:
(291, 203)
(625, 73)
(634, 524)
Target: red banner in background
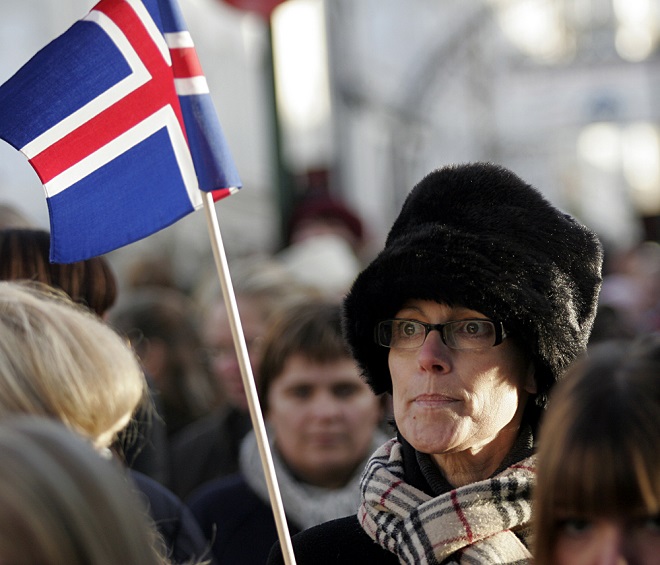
(262, 7)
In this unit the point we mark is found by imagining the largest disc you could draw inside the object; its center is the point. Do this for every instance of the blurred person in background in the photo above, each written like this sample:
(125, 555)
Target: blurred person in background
(324, 244)
(24, 255)
(208, 448)
(164, 325)
(323, 423)
(59, 360)
(631, 286)
(597, 497)
(12, 217)
(61, 503)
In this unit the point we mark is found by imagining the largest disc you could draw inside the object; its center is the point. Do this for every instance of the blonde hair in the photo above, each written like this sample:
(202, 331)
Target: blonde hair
(60, 361)
(599, 444)
(62, 504)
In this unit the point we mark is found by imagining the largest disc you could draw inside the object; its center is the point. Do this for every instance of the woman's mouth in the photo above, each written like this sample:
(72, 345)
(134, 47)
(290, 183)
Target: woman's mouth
(433, 400)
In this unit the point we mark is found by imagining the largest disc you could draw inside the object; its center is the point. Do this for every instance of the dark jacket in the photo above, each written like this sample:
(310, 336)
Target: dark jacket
(341, 541)
(239, 524)
(174, 520)
(207, 449)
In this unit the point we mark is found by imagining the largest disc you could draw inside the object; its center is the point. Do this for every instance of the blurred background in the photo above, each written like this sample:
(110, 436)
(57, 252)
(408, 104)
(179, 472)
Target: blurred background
(358, 99)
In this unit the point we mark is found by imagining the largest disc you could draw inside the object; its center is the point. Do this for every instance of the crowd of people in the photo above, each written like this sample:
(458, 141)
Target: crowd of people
(479, 391)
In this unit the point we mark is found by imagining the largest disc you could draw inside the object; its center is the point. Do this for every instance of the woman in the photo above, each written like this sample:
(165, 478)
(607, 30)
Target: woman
(483, 295)
(597, 500)
(323, 423)
(62, 504)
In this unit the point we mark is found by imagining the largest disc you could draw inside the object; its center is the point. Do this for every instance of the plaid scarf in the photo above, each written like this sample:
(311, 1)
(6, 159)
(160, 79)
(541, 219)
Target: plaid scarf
(469, 525)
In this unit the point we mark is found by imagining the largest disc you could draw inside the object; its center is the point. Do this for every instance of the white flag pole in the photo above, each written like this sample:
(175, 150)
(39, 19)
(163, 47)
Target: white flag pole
(248, 378)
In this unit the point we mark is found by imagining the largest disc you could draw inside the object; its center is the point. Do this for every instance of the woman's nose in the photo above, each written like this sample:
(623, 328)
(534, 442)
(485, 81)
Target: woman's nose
(434, 355)
(326, 406)
(609, 547)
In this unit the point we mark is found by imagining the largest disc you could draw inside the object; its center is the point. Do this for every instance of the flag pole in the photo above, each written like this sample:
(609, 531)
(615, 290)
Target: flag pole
(248, 378)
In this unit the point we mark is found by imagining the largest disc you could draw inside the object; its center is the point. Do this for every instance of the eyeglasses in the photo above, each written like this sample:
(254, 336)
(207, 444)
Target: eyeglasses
(473, 333)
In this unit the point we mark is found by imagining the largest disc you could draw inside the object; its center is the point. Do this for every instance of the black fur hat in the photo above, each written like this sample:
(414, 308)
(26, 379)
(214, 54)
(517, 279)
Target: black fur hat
(478, 236)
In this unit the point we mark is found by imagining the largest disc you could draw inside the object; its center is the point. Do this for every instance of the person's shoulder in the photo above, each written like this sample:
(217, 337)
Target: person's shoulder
(174, 520)
(232, 488)
(239, 523)
(340, 541)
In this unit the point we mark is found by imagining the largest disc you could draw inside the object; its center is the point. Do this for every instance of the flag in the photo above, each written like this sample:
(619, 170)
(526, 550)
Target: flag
(116, 118)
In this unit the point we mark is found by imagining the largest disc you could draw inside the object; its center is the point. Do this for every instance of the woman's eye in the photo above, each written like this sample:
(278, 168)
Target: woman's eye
(475, 328)
(575, 526)
(300, 392)
(408, 329)
(472, 328)
(345, 391)
(651, 524)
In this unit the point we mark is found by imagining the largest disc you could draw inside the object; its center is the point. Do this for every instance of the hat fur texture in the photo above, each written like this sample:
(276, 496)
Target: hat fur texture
(478, 236)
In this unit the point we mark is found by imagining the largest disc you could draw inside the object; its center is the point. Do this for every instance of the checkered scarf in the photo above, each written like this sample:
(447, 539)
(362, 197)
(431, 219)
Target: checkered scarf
(469, 525)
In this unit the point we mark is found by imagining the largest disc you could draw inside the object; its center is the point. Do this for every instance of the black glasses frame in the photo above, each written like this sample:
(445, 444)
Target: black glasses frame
(500, 332)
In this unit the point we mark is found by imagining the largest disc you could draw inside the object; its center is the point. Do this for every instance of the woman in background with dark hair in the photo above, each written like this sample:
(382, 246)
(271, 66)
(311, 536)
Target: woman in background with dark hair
(24, 255)
(597, 498)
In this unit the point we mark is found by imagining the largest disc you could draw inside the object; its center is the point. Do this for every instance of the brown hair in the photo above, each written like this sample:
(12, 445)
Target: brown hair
(24, 255)
(311, 329)
(599, 445)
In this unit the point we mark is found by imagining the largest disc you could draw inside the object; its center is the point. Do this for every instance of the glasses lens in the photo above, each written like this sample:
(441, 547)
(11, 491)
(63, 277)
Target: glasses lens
(470, 334)
(401, 334)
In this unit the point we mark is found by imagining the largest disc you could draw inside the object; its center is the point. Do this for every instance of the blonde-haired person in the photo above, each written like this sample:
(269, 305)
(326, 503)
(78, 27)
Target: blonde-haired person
(62, 504)
(597, 498)
(60, 361)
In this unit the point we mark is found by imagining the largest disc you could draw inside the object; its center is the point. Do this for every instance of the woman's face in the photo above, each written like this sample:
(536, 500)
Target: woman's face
(608, 541)
(324, 417)
(449, 401)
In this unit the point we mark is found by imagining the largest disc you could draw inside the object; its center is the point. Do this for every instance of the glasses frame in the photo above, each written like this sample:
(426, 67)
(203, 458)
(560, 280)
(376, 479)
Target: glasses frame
(500, 332)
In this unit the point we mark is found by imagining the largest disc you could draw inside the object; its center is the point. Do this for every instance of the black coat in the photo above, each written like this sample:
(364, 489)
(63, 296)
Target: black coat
(341, 541)
(174, 520)
(207, 449)
(240, 525)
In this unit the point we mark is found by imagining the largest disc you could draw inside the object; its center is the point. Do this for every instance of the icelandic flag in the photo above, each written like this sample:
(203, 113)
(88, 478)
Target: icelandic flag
(116, 118)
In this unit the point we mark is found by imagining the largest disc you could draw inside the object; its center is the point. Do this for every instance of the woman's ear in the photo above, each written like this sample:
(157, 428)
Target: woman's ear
(530, 379)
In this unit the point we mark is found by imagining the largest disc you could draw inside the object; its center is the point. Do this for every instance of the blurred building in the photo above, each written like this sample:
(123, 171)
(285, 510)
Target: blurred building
(372, 94)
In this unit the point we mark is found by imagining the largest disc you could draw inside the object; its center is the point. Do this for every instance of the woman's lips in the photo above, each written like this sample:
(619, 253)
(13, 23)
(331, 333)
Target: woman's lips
(434, 399)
